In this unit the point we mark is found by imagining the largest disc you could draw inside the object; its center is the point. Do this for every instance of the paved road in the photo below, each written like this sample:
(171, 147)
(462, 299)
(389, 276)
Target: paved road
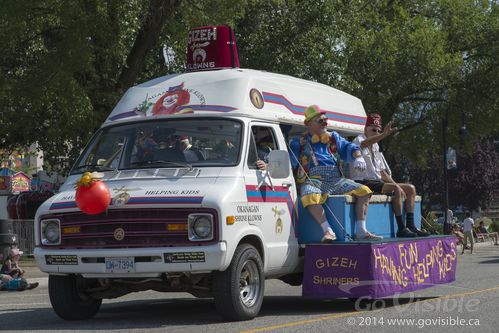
(474, 298)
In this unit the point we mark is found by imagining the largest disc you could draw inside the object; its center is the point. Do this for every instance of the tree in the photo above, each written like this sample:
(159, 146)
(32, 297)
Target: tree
(471, 185)
(408, 60)
(65, 64)
(477, 177)
(412, 61)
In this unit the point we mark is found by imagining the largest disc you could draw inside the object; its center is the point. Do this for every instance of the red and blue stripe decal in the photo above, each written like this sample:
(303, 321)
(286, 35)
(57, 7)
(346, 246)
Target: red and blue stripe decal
(124, 115)
(195, 107)
(139, 201)
(63, 205)
(205, 107)
(265, 194)
(299, 110)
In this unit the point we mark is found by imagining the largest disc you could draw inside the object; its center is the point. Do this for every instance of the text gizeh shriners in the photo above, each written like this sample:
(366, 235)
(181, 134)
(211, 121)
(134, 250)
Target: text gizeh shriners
(378, 270)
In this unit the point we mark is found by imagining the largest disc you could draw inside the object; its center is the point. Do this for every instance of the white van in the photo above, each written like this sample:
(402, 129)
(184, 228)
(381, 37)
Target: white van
(190, 211)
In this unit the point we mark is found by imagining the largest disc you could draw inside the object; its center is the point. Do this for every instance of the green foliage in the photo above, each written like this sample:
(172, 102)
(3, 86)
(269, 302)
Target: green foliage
(65, 64)
(430, 224)
(494, 227)
(412, 61)
(473, 184)
(62, 62)
(438, 229)
(408, 60)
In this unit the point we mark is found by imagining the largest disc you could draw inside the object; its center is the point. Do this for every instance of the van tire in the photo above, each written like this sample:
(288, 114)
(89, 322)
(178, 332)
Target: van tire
(239, 289)
(67, 300)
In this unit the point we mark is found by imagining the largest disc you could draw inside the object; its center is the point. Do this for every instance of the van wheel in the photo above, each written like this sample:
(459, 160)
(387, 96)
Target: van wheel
(68, 299)
(239, 289)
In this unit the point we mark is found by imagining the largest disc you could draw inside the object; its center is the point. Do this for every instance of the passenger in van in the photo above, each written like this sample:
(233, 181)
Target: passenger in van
(377, 175)
(264, 145)
(312, 157)
(145, 147)
(169, 150)
(191, 154)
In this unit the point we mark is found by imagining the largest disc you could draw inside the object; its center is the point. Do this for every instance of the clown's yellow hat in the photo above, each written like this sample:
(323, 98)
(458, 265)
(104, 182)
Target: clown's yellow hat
(311, 112)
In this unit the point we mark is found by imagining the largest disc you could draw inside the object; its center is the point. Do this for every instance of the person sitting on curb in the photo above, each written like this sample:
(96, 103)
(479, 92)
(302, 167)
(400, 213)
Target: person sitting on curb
(318, 176)
(11, 264)
(468, 224)
(377, 176)
(7, 283)
(483, 230)
(4, 279)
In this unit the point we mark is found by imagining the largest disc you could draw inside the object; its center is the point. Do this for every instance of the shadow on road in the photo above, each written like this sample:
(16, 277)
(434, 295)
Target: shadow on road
(151, 314)
(491, 261)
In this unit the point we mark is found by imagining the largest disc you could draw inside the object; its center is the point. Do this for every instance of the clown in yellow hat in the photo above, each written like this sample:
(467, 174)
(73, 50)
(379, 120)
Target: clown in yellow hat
(314, 161)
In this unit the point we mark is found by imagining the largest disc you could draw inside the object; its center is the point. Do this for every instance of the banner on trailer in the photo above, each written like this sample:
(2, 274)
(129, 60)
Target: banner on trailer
(378, 269)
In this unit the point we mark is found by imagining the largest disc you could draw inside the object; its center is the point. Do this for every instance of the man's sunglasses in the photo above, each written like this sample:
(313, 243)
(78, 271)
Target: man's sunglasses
(321, 121)
(376, 130)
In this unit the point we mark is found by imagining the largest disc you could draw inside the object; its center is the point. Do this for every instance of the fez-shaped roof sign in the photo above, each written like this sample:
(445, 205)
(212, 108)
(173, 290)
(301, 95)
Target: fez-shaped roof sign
(211, 47)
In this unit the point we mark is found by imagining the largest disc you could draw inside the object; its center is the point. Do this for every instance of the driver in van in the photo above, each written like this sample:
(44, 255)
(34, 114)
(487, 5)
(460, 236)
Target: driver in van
(318, 175)
(169, 149)
(264, 145)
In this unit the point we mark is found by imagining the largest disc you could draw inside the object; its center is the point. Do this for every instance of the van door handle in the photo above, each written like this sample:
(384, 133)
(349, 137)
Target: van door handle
(286, 184)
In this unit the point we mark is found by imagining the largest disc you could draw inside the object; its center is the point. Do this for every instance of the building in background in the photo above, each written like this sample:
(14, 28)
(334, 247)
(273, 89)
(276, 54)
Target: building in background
(22, 171)
(28, 160)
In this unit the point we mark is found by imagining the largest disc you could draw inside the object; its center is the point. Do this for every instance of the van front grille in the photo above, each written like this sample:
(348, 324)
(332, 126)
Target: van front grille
(124, 228)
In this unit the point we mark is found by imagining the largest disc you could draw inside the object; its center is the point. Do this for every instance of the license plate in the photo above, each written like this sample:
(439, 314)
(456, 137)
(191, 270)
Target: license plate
(124, 264)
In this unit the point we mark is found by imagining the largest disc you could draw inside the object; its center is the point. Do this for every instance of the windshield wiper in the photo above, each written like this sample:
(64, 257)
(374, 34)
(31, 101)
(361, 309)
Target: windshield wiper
(94, 167)
(155, 162)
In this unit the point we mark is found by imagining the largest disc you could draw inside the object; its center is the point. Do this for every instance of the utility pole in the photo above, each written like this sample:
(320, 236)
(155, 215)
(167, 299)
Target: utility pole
(445, 124)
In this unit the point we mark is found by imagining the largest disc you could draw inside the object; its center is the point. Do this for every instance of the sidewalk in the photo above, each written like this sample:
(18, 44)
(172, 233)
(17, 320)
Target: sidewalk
(32, 270)
(481, 244)
(27, 261)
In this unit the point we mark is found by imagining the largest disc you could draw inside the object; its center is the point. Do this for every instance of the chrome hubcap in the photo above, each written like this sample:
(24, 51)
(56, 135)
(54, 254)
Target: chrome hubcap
(249, 283)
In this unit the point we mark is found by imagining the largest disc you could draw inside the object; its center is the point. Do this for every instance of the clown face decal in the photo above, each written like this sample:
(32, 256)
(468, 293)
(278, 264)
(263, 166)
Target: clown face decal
(170, 102)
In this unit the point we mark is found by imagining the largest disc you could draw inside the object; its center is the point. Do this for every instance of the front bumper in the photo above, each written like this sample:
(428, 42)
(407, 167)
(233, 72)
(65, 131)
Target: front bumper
(90, 262)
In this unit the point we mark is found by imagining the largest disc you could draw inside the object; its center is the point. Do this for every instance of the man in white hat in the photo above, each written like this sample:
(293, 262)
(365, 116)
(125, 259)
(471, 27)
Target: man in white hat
(377, 175)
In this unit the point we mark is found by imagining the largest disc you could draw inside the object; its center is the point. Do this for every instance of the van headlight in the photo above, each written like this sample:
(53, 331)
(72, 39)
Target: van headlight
(50, 232)
(200, 227)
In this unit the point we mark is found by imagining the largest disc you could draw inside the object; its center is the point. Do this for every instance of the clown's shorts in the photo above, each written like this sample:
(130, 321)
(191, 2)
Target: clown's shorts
(325, 181)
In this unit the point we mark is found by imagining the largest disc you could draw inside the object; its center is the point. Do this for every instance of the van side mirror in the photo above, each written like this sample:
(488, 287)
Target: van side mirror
(278, 165)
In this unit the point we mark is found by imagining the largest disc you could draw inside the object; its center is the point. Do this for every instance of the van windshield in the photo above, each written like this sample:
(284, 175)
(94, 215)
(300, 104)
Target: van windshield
(163, 144)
